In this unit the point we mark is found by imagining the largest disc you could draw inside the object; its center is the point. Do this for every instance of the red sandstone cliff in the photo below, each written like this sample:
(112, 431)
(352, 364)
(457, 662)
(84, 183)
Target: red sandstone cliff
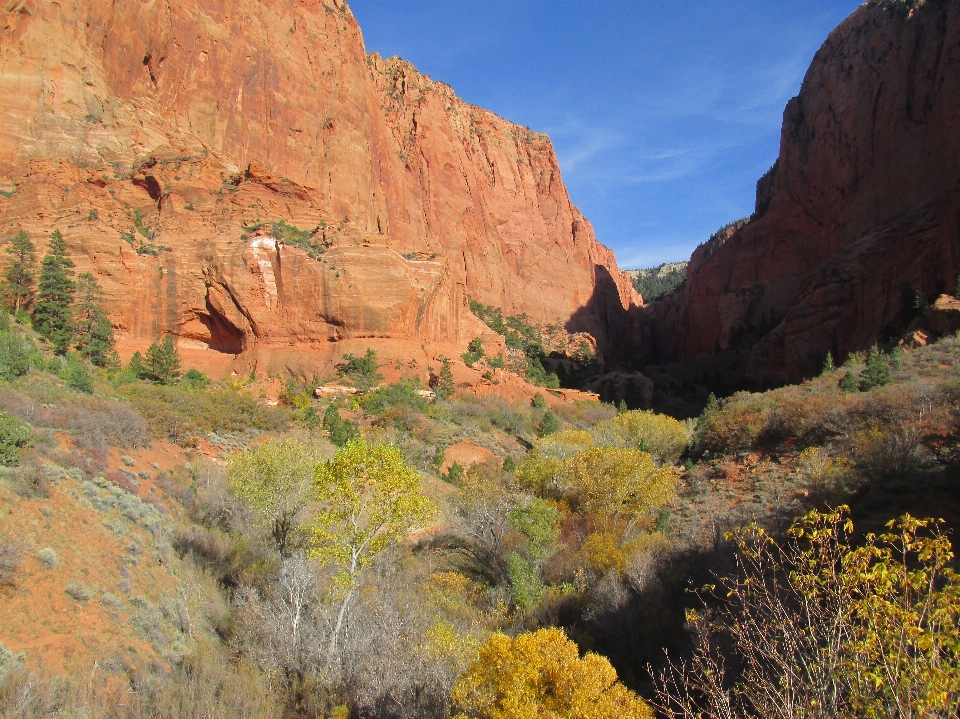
(177, 128)
(864, 199)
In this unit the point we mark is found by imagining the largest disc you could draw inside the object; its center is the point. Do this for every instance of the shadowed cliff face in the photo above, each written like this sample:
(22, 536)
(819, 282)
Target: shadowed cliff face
(862, 201)
(159, 137)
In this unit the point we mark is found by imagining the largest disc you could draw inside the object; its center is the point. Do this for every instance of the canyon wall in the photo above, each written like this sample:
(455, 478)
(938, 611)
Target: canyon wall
(168, 140)
(862, 203)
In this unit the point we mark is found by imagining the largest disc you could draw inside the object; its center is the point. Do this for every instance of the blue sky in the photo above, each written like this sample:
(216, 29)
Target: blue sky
(664, 114)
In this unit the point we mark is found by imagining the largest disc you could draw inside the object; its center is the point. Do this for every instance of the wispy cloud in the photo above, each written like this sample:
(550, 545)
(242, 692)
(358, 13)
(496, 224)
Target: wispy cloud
(578, 143)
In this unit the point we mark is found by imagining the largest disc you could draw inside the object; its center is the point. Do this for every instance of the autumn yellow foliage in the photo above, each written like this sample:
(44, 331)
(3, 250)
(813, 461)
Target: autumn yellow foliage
(540, 675)
(662, 436)
(618, 485)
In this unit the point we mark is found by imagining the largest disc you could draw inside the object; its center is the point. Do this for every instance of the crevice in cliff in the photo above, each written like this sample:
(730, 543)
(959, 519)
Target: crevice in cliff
(224, 335)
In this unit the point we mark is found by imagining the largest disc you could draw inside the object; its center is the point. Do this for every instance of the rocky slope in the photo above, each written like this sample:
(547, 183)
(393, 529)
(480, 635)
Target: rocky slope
(165, 140)
(863, 201)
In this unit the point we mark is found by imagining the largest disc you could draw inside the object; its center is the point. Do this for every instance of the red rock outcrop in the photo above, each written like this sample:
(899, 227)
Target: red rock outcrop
(162, 139)
(863, 201)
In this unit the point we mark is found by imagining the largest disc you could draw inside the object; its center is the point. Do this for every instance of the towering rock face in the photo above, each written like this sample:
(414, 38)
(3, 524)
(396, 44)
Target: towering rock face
(168, 140)
(863, 202)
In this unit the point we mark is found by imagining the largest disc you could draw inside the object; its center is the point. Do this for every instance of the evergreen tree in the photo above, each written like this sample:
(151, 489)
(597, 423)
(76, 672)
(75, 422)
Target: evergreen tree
(828, 365)
(876, 373)
(20, 275)
(162, 363)
(94, 333)
(548, 425)
(445, 386)
(341, 431)
(848, 383)
(52, 315)
(135, 367)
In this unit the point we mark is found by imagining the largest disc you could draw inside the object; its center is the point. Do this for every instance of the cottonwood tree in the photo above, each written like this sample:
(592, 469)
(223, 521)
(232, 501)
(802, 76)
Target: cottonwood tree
(541, 674)
(483, 506)
(822, 629)
(370, 500)
(616, 487)
(276, 480)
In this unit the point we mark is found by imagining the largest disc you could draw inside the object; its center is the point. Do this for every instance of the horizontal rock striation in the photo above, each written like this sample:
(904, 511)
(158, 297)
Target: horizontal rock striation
(165, 140)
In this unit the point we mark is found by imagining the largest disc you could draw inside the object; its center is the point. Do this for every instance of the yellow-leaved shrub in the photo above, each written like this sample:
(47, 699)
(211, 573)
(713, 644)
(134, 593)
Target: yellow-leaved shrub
(540, 675)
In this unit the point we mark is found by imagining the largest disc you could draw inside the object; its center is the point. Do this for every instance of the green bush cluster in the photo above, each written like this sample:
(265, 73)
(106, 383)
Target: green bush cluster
(341, 431)
(15, 436)
(288, 234)
(520, 335)
(363, 371)
(181, 414)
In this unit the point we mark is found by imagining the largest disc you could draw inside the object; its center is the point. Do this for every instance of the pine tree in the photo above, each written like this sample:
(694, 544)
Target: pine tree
(20, 275)
(548, 425)
(94, 333)
(341, 431)
(876, 373)
(135, 367)
(848, 383)
(162, 363)
(52, 315)
(828, 364)
(445, 386)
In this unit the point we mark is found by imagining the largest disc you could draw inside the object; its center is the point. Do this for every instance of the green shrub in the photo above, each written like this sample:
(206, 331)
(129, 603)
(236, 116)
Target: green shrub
(17, 354)
(14, 437)
(78, 592)
(539, 402)
(453, 475)
(48, 558)
(179, 414)
(195, 380)
(403, 393)
(362, 370)
(78, 378)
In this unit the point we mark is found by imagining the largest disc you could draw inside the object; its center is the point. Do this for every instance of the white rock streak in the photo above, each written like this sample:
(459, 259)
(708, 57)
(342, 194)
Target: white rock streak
(264, 249)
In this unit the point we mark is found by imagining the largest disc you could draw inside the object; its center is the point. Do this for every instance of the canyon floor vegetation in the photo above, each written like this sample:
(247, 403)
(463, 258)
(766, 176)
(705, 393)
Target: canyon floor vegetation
(176, 547)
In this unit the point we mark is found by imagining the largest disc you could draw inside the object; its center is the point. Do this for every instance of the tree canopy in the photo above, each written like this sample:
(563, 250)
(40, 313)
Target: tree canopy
(540, 675)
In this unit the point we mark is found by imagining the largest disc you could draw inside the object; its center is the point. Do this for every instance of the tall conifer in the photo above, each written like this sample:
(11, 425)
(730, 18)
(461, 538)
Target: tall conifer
(94, 333)
(21, 272)
(52, 315)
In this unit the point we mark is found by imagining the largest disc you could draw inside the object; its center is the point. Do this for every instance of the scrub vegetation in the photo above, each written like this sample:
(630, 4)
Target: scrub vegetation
(338, 558)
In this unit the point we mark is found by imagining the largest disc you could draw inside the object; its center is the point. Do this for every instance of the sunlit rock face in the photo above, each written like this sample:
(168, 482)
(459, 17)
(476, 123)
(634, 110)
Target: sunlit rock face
(862, 202)
(164, 138)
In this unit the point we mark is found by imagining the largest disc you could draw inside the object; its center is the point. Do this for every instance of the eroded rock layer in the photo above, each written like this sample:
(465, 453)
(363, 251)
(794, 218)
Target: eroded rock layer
(164, 139)
(863, 203)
